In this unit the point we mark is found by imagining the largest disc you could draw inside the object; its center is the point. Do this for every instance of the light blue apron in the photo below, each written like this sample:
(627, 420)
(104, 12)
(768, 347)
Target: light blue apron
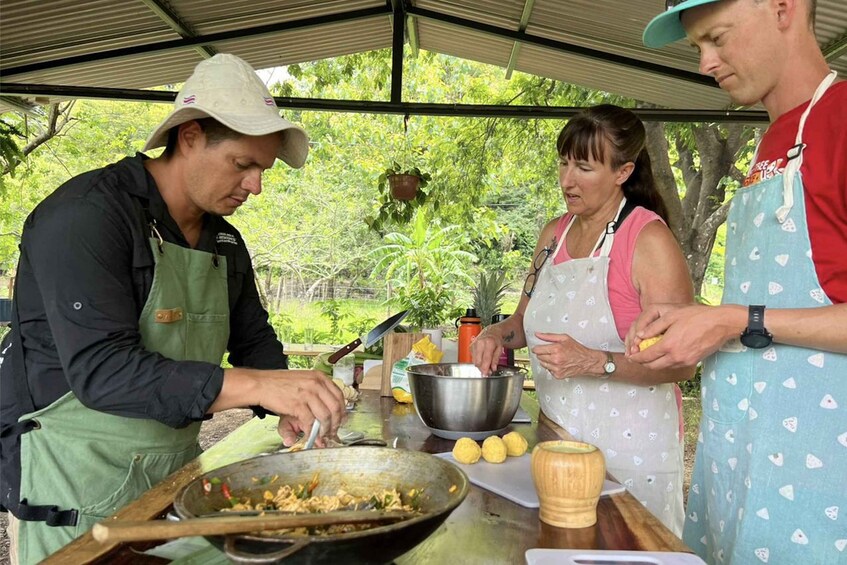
(770, 477)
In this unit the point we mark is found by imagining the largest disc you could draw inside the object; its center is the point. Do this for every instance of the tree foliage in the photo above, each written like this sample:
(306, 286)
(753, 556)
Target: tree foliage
(494, 181)
(428, 270)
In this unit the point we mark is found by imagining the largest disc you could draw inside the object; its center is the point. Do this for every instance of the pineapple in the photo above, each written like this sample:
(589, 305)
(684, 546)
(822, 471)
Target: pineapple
(488, 295)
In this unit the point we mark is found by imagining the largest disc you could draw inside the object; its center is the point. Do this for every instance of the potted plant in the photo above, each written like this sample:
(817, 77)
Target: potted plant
(403, 183)
(401, 192)
(488, 295)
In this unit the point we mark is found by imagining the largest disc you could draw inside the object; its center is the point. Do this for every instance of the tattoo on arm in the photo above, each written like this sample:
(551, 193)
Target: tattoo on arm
(509, 337)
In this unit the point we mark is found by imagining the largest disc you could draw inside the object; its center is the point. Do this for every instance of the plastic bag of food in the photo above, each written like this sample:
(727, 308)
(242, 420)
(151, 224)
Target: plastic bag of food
(423, 351)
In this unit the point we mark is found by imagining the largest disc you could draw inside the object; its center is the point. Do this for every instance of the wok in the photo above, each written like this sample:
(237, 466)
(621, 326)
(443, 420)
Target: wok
(360, 471)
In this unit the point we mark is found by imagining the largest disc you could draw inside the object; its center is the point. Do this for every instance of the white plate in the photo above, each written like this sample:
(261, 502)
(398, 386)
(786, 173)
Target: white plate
(608, 557)
(512, 479)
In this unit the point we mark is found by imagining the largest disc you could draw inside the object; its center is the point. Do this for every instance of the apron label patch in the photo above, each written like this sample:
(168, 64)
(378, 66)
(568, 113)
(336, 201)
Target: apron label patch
(168, 316)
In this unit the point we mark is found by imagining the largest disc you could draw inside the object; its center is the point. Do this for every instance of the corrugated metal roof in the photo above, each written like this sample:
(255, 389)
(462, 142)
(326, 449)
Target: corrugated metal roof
(333, 40)
(465, 43)
(211, 16)
(32, 32)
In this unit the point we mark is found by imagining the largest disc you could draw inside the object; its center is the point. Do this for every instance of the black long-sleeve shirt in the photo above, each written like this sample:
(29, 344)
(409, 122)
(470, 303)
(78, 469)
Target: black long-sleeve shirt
(84, 276)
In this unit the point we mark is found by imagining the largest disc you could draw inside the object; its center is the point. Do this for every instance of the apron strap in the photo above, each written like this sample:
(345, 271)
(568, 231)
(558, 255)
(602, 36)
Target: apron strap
(157, 237)
(19, 381)
(606, 242)
(611, 227)
(23, 395)
(795, 154)
(49, 514)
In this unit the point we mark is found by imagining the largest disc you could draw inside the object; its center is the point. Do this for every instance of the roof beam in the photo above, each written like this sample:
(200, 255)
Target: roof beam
(176, 23)
(211, 38)
(412, 27)
(398, 38)
(516, 46)
(387, 107)
(835, 48)
(524, 37)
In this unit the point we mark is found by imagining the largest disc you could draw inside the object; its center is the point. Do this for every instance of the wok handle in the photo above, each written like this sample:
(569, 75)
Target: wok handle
(237, 556)
(344, 351)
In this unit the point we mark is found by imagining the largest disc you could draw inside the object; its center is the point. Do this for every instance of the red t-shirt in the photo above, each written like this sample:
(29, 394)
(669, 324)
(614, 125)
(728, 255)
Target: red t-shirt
(824, 172)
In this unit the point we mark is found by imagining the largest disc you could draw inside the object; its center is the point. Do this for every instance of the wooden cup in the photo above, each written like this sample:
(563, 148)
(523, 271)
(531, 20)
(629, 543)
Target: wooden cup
(568, 477)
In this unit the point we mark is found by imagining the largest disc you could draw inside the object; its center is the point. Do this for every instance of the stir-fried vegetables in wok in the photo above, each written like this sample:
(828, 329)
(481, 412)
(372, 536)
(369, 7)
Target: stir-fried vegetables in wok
(302, 499)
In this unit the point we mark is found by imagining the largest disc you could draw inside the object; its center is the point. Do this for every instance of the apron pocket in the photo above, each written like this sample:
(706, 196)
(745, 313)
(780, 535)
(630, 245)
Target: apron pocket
(206, 337)
(726, 386)
(145, 471)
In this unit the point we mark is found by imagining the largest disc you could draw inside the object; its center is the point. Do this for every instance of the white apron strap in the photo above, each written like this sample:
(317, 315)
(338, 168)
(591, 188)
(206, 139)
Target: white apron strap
(608, 234)
(795, 154)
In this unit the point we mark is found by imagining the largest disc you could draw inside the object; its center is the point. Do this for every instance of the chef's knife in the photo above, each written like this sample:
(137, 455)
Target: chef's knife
(373, 336)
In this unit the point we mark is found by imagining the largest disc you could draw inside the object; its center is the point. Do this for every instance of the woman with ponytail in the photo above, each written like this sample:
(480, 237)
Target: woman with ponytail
(595, 269)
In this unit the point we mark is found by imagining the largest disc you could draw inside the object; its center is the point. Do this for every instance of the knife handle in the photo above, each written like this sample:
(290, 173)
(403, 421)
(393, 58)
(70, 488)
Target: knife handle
(344, 351)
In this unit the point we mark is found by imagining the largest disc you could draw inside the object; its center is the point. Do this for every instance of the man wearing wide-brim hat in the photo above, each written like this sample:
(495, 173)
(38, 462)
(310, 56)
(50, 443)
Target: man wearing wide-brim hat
(131, 287)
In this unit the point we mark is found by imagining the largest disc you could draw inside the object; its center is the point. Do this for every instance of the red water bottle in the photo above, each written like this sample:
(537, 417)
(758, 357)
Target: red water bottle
(507, 355)
(469, 327)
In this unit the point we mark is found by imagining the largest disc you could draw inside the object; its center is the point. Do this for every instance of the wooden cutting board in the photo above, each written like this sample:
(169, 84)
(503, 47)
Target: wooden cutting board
(395, 347)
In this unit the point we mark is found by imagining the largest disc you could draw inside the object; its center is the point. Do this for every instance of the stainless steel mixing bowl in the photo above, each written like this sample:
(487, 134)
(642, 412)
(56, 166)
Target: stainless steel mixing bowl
(454, 400)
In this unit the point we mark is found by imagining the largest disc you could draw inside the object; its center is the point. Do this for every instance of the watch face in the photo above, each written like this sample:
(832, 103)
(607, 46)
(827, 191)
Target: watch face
(755, 340)
(609, 367)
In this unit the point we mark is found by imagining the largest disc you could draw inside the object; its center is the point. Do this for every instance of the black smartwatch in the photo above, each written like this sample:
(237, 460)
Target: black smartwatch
(756, 336)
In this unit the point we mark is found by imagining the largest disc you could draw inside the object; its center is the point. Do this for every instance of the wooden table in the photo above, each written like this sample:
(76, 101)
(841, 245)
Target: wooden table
(486, 528)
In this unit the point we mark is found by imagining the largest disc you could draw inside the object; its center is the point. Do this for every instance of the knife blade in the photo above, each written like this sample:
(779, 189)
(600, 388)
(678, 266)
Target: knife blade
(371, 338)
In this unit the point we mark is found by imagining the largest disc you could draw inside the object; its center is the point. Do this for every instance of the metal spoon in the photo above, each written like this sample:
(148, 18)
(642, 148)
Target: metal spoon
(313, 435)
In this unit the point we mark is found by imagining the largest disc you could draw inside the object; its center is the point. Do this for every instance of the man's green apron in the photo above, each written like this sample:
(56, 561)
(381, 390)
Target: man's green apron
(97, 462)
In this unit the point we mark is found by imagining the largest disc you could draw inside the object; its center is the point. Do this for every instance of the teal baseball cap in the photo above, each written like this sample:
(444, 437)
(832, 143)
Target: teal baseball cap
(667, 27)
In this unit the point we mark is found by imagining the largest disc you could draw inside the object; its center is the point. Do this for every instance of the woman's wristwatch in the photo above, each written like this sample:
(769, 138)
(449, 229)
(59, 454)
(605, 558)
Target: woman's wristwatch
(609, 367)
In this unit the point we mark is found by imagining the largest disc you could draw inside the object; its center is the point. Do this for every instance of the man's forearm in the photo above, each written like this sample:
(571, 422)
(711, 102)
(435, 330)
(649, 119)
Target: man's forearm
(240, 389)
(823, 328)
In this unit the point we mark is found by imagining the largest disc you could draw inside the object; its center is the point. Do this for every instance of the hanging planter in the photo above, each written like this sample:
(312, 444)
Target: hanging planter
(401, 192)
(403, 186)
(402, 189)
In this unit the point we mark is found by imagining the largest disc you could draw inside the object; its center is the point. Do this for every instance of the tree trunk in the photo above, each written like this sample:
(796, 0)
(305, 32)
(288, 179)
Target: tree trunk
(279, 289)
(707, 154)
(58, 116)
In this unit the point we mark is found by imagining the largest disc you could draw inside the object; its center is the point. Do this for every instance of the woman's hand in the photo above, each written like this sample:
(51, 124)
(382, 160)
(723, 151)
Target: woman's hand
(485, 350)
(565, 357)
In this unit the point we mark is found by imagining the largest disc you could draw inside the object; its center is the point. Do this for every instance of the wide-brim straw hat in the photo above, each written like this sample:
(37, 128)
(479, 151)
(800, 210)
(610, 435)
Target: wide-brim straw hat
(227, 89)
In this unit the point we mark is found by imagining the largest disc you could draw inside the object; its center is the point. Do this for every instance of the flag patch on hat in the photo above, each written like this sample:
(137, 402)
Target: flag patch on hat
(189, 99)
(269, 102)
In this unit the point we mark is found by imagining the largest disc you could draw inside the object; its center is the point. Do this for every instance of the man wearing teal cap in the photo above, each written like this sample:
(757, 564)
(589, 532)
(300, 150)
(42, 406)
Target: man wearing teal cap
(769, 480)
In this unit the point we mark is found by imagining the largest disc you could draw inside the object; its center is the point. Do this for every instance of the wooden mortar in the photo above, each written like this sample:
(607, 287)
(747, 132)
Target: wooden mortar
(568, 477)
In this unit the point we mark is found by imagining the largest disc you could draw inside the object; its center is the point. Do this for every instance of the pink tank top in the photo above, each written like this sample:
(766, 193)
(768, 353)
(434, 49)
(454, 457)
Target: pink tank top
(623, 298)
